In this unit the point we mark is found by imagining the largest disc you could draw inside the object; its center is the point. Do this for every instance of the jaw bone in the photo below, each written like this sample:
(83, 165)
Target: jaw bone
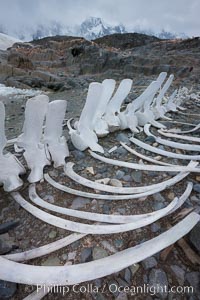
(36, 154)
(56, 143)
(34, 275)
(84, 136)
(10, 167)
(113, 109)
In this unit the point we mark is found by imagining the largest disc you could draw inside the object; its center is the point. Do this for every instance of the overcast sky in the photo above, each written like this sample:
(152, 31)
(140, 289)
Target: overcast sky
(171, 15)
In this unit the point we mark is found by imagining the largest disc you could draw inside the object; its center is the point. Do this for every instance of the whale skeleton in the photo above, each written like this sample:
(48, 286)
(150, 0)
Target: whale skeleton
(74, 274)
(10, 166)
(188, 147)
(103, 217)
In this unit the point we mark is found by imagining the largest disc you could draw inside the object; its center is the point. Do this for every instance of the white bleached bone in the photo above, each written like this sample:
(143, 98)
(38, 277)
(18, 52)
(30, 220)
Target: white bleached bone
(128, 118)
(36, 153)
(84, 136)
(107, 197)
(135, 166)
(171, 144)
(196, 127)
(163, 152)
(100, 124)
(46, 249)
(10, 167)
(124, 190)
(159, 110)
(179, 136)
(114, 105)
(147, 158)
(53, 138)
(115, 219)
(92, 229)
(46, 275)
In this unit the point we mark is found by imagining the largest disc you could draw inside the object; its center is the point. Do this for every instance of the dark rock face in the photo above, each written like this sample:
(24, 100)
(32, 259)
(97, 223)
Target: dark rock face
(195, 237)
(126, 40)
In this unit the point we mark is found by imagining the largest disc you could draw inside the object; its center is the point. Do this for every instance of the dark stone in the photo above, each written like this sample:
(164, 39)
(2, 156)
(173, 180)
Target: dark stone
(149, 263)
(86, 255)
(158, 280)
(180, 274)
(155, 227)
(122, 137)
(195, 236)
(194, 280)
(150, 139)
(4, 248)
(78, 154)
(137, 176)
(196, 187)
(127, 275)
(5, 227)
(7, 289)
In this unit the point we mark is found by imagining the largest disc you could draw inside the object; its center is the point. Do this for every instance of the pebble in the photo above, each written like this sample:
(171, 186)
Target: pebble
(158, 277)
(78, 154)
(194, 280)
(79, 202)
(72, 255)
(137, 176)
(121, 151)
(128, 275)
(134, 268)
(196, 187)
(195, 236)
(5, 227)
(52, 234)
(171, 195)
(158, 205)
(49, 198)
(118, 243)
(86, 255)
(98, 253)
(64, 256)
(197, 178)
(180, 274)
(150, 139)
(155, 227)
(122, 296)
(158, 197)
(122, 137)
(115, 182)
(127, 178)
(113, 287)
(120, 174)
(7, 289)
(4, 248)
(108, 246)
(149, 263)
(51, 261)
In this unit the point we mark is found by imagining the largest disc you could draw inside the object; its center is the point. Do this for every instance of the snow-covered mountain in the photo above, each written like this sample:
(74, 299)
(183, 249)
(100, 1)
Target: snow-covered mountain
(90, 29)
(7, 41)
(93, 28)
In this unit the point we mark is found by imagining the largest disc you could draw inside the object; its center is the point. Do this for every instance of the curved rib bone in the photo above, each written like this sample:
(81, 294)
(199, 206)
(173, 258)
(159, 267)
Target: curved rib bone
(34, 275)
(162, 163)
(46, 249)
(56, 143)
(101, 217)
(146, 167)
(99, 196)
(163, 152)
(197, 127)
(170, 143)
(93, 229)
(10, 167)
(178, 136)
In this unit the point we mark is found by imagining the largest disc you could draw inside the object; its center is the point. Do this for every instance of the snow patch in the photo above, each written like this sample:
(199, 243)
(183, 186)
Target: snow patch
(7, 41)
